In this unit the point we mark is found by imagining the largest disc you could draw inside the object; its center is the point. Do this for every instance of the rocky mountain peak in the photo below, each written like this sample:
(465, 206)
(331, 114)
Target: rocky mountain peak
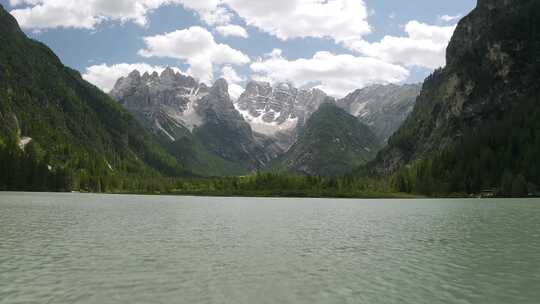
(221, 88)
(156, 96)
(9, 24)
(278, 110)
(135, 74)
(168, 76)
(254, 88)
(483, 28)
(193, 118)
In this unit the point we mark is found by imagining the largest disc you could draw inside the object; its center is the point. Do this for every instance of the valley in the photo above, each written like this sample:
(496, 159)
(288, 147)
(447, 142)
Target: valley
(470, 128)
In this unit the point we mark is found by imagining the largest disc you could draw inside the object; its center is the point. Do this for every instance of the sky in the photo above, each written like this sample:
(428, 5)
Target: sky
(335, 45)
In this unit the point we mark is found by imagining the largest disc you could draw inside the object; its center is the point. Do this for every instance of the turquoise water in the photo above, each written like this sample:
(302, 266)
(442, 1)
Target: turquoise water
(84, 248)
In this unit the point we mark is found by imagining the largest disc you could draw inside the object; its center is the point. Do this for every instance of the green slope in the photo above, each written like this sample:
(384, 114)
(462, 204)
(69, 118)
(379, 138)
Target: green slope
(332, 143)
(189, 151)
(72, 124)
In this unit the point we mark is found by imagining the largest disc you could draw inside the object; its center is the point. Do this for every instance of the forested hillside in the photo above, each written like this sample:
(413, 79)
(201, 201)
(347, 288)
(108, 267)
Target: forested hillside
(51, 118)
(475, 125)
(331, 144)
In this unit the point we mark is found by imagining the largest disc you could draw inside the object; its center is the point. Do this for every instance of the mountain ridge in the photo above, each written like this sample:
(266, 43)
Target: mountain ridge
(382, 107)
(198, 124)
(278, 111)
(332, 143)
(264, 123)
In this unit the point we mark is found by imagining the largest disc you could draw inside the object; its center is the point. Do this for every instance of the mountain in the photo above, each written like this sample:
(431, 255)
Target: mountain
(197, 124)
(476, 123)
(280, 111)
(65, 123)
(212, 135)
(225, 132)
(383, 108)
(332, 143)
(159, 98)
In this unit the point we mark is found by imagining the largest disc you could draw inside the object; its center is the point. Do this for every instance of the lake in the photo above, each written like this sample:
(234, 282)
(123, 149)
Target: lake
(86, 248)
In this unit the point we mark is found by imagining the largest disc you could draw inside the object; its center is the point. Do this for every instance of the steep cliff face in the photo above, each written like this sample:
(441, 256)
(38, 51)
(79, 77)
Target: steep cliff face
(225, 132)
(278, 111)
(158, 97)
(383, 108)
(491, 63)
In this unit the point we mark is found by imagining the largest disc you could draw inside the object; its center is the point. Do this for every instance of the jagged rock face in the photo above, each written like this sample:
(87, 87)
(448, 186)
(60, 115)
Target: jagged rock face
(175, 106)
(278, 111)
(493, 60)
(170, 94)
(383, 108)
(225, 132)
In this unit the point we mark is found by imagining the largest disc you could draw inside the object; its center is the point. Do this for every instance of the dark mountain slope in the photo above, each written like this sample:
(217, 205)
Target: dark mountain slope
(225, 133)
(70, 123)
(331, 144)
(383, 108)
(475, 125)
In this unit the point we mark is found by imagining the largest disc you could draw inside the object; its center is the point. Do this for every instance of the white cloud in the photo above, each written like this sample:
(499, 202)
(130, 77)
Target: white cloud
(216, 16)
(195, 46)
(235, 89)
(424, 46)
(54, 14)
(343, 21)
(448, 18)
(87, 14)
(339, 20)
(229, 73)
(232, 30)
(105, 76)
(337, 75)
(287, 19)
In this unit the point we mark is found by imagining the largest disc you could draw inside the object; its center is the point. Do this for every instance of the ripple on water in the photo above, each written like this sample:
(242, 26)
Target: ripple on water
(63, 248)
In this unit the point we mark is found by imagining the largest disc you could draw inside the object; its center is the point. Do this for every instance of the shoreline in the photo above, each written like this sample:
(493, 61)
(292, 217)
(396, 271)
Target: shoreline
(376, 196)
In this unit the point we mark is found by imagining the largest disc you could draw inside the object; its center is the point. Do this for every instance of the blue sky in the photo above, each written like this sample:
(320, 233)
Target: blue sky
(103, 37)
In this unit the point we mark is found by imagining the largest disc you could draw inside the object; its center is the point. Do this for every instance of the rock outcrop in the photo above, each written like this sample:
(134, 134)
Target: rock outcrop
(383, 108)
(278, 111)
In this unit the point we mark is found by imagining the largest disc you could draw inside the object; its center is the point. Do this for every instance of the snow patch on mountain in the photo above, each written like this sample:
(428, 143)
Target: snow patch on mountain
(259, 125)
(160, 128)
(279, 110)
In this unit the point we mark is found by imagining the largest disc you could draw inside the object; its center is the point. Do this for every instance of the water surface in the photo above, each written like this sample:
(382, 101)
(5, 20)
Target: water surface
(84, 248)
